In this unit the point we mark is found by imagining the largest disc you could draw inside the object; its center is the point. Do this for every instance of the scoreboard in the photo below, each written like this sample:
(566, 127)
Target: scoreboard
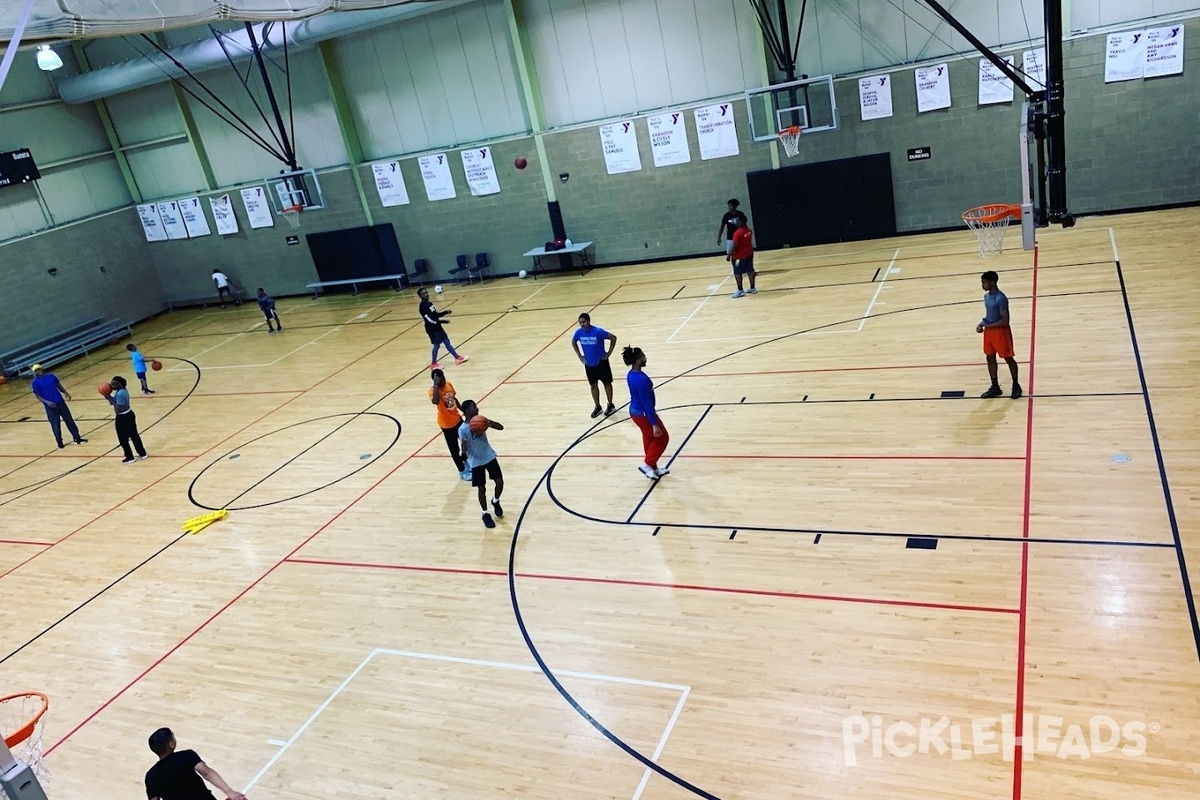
(17, 167)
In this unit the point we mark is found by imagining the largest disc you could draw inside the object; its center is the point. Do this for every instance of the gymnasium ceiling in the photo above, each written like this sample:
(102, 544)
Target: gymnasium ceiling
(75, 19)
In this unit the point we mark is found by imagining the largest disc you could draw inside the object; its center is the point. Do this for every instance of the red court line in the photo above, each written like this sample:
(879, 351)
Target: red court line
(1022, 617)
(766, 457)
(691, 587)
(302, 544)
(784, 371)
(22, 541)
(149, 486)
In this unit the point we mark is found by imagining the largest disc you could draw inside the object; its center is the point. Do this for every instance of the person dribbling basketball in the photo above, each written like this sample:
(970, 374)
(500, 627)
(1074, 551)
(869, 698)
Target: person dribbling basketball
(481, 459)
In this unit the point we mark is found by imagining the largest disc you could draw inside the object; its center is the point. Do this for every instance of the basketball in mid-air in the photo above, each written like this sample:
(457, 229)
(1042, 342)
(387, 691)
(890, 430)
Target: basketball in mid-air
(105, 389)
(520, 163)
(156, 365)
(479, 423)
(522, 274)
(438, 288)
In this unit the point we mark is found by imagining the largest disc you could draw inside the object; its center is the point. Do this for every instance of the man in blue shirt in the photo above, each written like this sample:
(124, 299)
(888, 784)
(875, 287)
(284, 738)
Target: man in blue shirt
(997, 335)
(589, 346)
(54, 399)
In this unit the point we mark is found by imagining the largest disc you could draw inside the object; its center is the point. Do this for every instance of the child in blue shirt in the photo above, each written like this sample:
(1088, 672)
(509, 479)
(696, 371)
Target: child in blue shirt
(139, 367)
(267, 304)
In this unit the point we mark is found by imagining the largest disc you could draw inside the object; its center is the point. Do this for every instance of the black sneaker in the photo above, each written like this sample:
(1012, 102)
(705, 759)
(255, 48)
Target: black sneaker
(127, 460)
(488, 522)
(1017, 392)
(995, 391)
(81, 441)
(610, 410)
(61, 445)
(596, 412)
(496, 507)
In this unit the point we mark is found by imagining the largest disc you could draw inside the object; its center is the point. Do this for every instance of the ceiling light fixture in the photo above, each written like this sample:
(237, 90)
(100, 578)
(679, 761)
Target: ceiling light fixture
(47, 59)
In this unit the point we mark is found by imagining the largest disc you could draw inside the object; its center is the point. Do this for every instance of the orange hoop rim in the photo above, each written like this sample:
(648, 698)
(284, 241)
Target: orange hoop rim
(792, 130)
(292, 210)
(992, 212)
(26, 730)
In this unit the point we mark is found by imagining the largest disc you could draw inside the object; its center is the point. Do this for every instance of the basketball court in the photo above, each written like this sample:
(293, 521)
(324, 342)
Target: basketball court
(859, 578)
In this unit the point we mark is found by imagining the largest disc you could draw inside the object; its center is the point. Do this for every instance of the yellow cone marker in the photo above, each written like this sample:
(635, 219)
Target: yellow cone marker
(197, 524)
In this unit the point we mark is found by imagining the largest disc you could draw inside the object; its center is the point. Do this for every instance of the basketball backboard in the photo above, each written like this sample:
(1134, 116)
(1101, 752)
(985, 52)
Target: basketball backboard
(298, 188)
(808, 103)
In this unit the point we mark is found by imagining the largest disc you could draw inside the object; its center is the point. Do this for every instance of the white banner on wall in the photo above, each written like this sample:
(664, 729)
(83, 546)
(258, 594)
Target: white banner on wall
(716, 131)
(172, 220)
(1125, 56)
(1035, 68)
(619, 142)
(258, 208)
(193, 217)
(389, 182)
(151, 223)
(1164, 51)
(933, 87)
(875, 97)
(481, 171)
(223, 215)
(435, 172)
(994, 85)
(668, 139)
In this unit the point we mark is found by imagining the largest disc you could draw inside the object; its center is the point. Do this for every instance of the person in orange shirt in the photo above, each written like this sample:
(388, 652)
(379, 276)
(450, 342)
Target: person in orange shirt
(441, 394)
(742, 256)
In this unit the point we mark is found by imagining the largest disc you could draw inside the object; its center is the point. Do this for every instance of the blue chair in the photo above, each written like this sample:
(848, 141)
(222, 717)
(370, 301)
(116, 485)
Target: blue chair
(420, 268)
(482, 262)
(457, 272)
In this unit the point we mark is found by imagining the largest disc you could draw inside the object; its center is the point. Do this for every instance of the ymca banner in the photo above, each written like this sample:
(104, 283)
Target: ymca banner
(193, 217)
(389, 182)
(435, 173)
(481, 171)
(151, 223)
(716, 131)
(933, 88)
(172, 220)
(1164, 51)
(994, 85)
(619, 142)
(875, 97)
(258, 209)
(1125, 56)
(668, 139)
(1035, 68)
(223, 215)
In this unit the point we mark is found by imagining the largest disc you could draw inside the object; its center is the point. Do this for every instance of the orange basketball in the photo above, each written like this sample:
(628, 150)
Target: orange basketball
(105, 389)
(479, 423)
(156, 365)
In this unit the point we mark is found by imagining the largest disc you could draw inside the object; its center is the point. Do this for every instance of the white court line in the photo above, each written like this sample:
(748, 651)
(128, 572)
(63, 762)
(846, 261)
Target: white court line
(714, 290)
(1112, 237)
(527, 299)
(281, 358)
(175, 367)
(276, 742)
(285, 745)
(886, 273)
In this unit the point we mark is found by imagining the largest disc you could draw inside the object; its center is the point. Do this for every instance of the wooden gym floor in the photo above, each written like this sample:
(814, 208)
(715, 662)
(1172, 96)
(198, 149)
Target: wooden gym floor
(839, 558)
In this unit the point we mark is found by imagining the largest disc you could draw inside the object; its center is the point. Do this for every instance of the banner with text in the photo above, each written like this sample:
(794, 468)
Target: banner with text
(875, 97)
(258, 208)
(668, 139)
(1125, 56)
(619, 142)
(151, 223)
(223, 215)
(193, 217)
(994, 85)
(172, 220)
(435, 172)
(481, 171)
(1164, 51)
(1035, 68)
(933, 87)
(716, 132)
(389, 182)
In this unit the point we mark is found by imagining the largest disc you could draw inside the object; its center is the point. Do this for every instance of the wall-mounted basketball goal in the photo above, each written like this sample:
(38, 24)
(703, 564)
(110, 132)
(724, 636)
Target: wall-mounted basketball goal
(808, 103)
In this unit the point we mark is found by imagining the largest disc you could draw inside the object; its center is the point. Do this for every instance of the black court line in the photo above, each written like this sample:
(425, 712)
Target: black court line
(678, 450)
(656, 530)
(681, 288)
(875, 277)
(1162, 467)
(732, 535)
(817, 539)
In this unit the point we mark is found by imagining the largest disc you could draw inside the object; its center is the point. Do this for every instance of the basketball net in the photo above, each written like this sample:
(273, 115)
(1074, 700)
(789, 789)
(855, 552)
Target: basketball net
(990, 223)
(21, 718)
(292, 215)
(791, 140)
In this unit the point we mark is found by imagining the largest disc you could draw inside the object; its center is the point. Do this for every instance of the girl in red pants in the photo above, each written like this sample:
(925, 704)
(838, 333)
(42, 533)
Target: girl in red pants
(641, 410)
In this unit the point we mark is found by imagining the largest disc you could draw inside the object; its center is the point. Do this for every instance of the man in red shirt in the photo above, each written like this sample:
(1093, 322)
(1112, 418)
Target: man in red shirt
(743, 257)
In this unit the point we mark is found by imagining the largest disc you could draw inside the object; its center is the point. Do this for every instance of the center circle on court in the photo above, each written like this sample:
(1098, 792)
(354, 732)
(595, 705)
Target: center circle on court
(293, 461)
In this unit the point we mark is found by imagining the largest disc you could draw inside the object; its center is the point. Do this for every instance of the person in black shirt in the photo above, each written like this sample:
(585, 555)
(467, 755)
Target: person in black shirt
(434, 330)
(178, 776)
(729, 225)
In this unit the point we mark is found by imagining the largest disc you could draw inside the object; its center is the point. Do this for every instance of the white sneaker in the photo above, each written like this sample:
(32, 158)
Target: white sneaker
(738, 293)
(648, 471)
(752, 290)
(660, 471)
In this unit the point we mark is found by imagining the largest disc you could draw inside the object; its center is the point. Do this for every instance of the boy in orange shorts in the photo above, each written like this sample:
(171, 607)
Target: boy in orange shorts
(997, 335)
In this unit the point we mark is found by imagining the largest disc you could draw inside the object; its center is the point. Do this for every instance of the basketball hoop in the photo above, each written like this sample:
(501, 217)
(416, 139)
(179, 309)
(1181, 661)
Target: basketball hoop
(791, 139)
(292, 215)
(990, 223)
(21, 717)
